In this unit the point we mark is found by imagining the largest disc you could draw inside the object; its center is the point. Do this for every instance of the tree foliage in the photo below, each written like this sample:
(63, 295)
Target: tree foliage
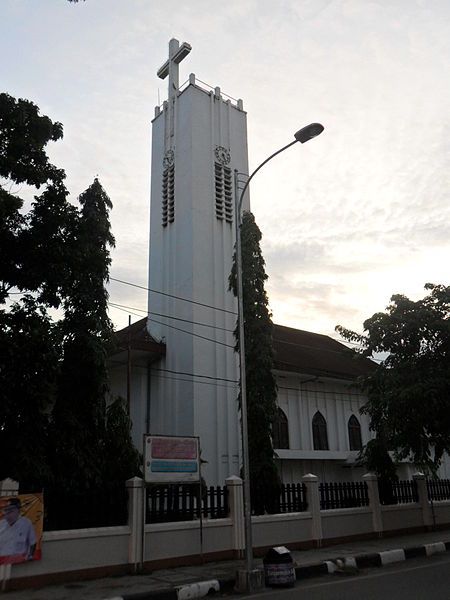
(54, 424)
(79, 413)
(24, 135)
(261, 387)
(28, 371)
(409, 391)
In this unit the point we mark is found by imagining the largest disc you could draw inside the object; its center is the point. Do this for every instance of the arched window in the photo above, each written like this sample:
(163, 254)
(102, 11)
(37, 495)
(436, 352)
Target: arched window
(354, 433)
(319, 428)
(280, 430)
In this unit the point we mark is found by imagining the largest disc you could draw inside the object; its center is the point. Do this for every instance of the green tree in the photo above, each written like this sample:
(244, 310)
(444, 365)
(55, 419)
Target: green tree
(409, 391)
(29, 347)
(79, 416)
(24, 135)
(29, 340)
(122, 460)
(261, 386)
(53, 378)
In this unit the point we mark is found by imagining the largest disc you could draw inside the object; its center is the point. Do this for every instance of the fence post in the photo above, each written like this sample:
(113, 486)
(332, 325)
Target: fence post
(9, 487)
(312, 495)
(236, 502)
(374, 502)
(136, 521)
(422, 492)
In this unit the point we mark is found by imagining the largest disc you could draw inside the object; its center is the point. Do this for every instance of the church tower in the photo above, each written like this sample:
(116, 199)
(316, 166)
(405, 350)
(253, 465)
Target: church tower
(199, 139)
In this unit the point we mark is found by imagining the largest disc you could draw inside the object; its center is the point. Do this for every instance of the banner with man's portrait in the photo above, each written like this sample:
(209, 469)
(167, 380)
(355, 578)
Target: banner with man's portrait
(21, 525)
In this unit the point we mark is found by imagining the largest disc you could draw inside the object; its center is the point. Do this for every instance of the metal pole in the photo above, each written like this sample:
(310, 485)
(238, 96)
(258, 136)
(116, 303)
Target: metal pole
(240, 294)
(129, 368)
(244, 429)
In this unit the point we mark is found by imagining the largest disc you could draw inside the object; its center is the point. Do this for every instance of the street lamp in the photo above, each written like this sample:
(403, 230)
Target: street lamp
(302, 135)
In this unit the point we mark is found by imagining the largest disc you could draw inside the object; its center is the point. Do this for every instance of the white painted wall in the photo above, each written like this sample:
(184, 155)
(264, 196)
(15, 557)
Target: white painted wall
(191, 258)
(337, 401)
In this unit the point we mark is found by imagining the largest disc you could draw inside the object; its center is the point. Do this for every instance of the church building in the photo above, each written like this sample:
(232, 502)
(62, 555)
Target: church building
(177, 367)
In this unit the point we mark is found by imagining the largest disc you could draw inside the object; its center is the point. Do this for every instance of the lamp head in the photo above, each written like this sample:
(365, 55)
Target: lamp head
(307, 133)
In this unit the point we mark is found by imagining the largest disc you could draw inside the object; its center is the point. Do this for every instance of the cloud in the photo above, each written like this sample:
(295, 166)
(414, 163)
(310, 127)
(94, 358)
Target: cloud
(347, 219)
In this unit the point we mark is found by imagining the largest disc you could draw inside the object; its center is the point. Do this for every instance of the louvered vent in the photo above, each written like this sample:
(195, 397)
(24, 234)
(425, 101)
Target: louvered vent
(224, 192)
(168, 196)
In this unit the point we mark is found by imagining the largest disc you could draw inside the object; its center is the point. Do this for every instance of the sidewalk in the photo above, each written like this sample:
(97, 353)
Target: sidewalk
(163, 584)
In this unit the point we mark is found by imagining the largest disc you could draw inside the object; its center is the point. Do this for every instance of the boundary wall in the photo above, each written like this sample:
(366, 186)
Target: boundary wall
(91, 553)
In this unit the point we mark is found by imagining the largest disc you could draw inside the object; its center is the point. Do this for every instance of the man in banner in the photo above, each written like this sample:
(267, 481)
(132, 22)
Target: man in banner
(17, 535)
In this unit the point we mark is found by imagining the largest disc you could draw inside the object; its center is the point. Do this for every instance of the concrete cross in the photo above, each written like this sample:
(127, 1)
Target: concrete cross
(170, 67)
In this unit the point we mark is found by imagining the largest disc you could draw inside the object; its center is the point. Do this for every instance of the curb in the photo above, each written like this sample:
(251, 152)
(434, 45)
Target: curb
(182, 592)
(346, 564)
(377, 559)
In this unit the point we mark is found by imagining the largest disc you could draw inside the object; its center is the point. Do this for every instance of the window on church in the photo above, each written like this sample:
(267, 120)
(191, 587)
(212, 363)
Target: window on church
(319, 429)
(280, 430)
(168, 195)
(354, 433)
(223, 192)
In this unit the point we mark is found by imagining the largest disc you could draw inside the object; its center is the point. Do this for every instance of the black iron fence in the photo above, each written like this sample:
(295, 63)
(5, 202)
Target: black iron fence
(346, 494)
(292, 498)
(166, 503)
(108, 506)
(79, 509)
(438, 489)
(398, 492)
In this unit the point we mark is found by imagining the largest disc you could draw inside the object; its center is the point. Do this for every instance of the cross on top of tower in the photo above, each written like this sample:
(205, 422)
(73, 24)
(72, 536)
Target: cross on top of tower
(170, 67)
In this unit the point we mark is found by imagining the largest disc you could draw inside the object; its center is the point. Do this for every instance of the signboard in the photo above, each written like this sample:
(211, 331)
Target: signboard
(21, 525)
(171, 459)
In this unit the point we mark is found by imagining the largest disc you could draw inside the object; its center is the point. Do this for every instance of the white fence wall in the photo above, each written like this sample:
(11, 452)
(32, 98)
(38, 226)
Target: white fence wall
(85, 553)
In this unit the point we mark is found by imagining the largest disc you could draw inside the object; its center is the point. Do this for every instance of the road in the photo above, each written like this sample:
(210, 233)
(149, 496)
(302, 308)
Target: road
(418, 579)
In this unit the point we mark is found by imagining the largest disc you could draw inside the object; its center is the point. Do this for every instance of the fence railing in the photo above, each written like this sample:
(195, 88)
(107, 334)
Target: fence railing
(293, 498)
(166, 503)
(346, 494)
(438, 489)
(398, 492)
(106, 506)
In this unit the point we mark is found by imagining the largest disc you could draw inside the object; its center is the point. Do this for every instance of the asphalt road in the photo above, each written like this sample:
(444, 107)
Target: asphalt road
(418, 579)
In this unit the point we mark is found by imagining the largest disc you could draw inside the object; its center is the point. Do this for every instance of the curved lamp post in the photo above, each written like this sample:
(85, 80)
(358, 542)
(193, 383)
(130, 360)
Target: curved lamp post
(302, 136)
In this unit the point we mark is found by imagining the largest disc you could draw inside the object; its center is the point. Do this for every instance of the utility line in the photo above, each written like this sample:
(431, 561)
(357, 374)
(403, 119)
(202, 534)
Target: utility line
(320, 392)
(195, 375)
(202, 337)
(231, 312)
(227, 387)
(228, 345)
(124, 306)
(143, 310)
(214, 381)
(319, 349)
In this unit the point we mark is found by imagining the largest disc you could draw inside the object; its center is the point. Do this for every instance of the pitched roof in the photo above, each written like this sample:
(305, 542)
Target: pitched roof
(295, 351)
(137, 337)
(316, 354)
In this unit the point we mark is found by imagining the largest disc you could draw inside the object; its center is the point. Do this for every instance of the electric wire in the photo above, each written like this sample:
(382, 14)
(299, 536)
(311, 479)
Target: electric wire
(197, 335)
(202, 337)
(213, 380)
(231, 312)
(124, 306)
(230, 346)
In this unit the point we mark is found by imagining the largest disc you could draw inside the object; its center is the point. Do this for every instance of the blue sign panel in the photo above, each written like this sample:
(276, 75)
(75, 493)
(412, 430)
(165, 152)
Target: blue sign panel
(165, 466)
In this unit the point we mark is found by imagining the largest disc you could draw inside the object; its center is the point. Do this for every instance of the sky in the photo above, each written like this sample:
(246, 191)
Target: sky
(348, 219)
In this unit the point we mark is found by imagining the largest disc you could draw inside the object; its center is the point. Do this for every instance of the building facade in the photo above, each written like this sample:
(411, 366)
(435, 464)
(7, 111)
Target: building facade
(177, 368)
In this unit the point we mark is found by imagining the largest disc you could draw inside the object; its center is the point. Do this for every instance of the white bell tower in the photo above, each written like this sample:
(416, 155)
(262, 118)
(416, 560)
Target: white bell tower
(199, 139)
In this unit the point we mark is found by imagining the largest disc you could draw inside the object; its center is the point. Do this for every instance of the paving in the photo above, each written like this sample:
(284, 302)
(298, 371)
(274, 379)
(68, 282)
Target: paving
(181, 583)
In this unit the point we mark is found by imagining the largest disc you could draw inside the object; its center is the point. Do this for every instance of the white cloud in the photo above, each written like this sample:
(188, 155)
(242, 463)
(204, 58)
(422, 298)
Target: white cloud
(348, 219)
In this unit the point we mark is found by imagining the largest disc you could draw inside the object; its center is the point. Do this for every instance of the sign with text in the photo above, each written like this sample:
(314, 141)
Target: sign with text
(171, 459)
